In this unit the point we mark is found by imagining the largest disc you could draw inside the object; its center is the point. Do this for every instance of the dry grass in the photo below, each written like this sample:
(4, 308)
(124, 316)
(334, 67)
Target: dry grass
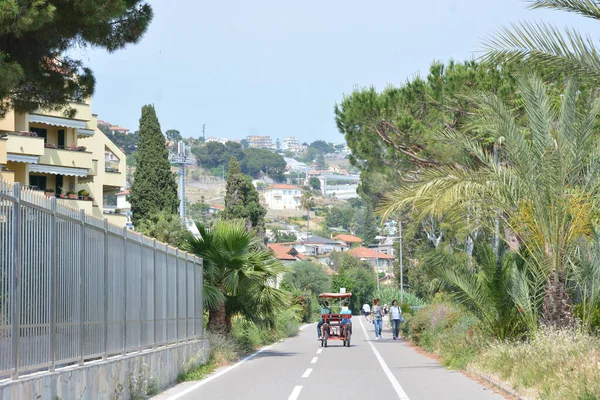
(553, 364)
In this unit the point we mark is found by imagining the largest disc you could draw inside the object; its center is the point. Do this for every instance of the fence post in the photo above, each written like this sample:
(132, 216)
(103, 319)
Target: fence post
(81, 285)
(167, 294)
(16, 276)
(105, 289)
(125, 290)
(187, 301)
(53, 279)
(142, 290)
(177, 295)
(154, 291)
(194, 297)
(201, 289)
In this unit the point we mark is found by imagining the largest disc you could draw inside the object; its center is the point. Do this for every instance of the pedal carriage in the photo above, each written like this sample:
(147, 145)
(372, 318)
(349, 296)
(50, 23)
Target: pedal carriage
(336, 326)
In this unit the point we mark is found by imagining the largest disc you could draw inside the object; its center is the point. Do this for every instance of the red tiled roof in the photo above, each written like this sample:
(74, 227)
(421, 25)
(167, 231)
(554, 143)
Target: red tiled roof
(218, 207)
(348, 238)
(363, 252)
(282, 186)
(281, 252)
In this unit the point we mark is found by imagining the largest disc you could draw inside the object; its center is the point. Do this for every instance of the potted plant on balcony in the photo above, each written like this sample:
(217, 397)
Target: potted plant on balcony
(49, 192)
(84, 194)
(72, 195)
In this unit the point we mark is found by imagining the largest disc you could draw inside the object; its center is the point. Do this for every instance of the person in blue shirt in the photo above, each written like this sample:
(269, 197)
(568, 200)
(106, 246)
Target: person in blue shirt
(346, 310)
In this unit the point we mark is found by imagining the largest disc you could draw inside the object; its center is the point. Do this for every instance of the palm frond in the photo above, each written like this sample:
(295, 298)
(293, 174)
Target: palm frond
(212, 296)
(587, 8)
(539, 43)
(539, 114)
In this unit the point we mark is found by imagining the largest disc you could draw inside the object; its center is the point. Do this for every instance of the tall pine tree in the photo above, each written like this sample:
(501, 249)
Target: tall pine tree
(154, 188)
(241, 198)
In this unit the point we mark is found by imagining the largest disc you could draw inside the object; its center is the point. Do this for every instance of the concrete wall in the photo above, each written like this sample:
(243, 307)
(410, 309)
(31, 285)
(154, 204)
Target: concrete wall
(111, 379)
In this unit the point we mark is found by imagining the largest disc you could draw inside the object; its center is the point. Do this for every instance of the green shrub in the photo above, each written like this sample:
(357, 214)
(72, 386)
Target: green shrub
(446, 330)
(431, 317)
(388, 294)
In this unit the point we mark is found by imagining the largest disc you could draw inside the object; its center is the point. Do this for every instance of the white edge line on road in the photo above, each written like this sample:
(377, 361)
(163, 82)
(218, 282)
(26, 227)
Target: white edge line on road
(295, 393)
(399, 391)
(319, 351)
(218, 374)
(314, 360)
(304, 326)
(307, 373)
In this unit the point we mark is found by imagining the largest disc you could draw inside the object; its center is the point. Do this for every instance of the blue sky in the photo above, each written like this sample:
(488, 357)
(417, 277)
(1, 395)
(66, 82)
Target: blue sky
(278, 67)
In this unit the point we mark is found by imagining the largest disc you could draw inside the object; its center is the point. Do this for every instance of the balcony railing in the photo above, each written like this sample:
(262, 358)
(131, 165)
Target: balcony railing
(70, 148)
(63, 196)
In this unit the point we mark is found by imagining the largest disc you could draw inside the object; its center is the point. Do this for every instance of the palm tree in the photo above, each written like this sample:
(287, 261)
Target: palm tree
(543, 189)
(240, 275)
(544, 45)
(498, 293)
(307, 202)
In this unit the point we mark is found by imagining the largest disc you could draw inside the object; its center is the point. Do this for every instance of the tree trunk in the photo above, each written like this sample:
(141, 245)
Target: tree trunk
(557, 310)
(218, 320)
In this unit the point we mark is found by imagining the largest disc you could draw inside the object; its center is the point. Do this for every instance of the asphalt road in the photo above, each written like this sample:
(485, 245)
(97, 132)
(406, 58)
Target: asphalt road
(298, 368)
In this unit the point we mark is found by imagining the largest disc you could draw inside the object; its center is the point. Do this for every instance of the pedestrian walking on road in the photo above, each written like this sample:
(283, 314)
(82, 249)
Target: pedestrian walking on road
(366, 310)
(397, 319)
(377, 318)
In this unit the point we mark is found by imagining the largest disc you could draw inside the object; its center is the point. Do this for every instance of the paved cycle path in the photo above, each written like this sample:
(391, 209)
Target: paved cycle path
(298, 368)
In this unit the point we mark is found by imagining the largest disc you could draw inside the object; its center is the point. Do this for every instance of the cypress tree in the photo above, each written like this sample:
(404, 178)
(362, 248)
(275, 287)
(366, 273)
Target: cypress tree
(241, 198)
(154, 188)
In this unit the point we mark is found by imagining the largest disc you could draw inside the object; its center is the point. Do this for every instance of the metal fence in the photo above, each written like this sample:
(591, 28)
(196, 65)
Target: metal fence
(75, 288)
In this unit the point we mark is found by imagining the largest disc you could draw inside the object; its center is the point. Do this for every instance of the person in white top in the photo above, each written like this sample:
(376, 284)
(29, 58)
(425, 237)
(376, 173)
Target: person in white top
(366, 309)
(396, 316)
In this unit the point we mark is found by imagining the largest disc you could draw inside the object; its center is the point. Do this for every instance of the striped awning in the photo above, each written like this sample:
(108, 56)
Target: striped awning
(22, 158)
(56, 121)
(56, 170)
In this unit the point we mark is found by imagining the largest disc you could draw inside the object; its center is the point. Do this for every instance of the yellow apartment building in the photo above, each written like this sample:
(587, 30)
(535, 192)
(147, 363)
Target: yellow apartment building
(63, 157)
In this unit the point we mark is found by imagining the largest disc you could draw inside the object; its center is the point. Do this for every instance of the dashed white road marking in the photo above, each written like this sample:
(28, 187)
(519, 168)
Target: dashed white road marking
(307, 373)
(295, 393)
(314, 360)
(218, 374)
(399, 391)
(319, 351)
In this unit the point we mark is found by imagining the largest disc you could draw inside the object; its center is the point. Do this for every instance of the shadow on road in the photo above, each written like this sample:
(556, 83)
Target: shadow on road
(271, 353)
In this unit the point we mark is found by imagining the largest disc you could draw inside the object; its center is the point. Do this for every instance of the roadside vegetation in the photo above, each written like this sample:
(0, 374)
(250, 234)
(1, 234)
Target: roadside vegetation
(493, 168)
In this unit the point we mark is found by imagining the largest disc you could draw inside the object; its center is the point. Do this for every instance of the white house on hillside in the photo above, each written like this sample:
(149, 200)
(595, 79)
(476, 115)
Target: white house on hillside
(283, 197)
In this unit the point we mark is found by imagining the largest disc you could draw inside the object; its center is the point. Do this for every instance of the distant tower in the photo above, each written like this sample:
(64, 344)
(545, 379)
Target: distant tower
(181, 159)
(204, 132)
(278, 144)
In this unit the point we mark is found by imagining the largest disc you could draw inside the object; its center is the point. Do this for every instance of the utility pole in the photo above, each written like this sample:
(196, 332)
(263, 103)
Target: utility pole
(223, 174)
(203, 132)
(400, 260)
(181, 159)
(377, 264)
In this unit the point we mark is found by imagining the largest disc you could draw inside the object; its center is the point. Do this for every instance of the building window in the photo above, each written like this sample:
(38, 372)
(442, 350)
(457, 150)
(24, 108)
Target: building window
(40, 132)
(37, 181)
(61, 138)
